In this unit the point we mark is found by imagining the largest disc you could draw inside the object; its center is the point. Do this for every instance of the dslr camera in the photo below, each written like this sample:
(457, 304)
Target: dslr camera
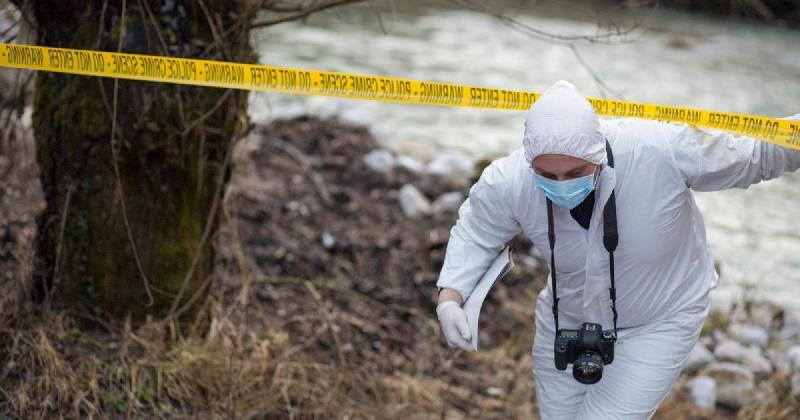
(587, 348)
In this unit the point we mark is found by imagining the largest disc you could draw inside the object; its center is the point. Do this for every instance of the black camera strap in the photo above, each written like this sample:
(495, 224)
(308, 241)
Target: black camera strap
(610, 241)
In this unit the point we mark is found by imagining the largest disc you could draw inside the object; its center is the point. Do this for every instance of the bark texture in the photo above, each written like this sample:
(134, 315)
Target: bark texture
(171, 143)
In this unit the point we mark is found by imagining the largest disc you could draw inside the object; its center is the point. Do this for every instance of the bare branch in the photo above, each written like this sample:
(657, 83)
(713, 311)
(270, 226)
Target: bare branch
(377, 16)
(143, 6)
(601, 85)
(216, 31)
(616, 34)
(304, 13)
(208, 113)
(10, 28)
(101, 25)
(24, 9)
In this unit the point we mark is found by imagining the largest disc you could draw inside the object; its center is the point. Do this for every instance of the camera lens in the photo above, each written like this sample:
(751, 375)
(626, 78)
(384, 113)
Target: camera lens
(588, 368)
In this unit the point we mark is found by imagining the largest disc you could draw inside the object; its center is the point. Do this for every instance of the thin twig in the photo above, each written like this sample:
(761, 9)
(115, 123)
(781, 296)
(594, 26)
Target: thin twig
(369, 300)
(102, 25)
(215, 32)
(156, 27)
(305, 13)
(208, 113)
(377, 16)
(10, 28)
(300, 158)
(246, 17)
(26, 6)
(59, 248)
(601, 85)
(165, 49)
(328, 319)
(608, 37)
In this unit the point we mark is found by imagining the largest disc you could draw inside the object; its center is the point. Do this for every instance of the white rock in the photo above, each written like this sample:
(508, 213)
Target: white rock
(423, 152)
(789, 361)
(413, 202)
(27, 118)
(244, 150)
(794, 358)
(380, 160)
(707, 341)
(328, 240)
(529, 261)
(495, 392)
(454, 165)
(536, 254)
(790, 332)
(448, 202)
(298, 207)
(796, 384)
(730, 351)
(756, 361)
(774, 356)
(703, 390)
(355, 116)
(410, 164)
(698, 358)
(290, 110)
(735, 383)
(718, 336)
(749, 334)
(763, 314)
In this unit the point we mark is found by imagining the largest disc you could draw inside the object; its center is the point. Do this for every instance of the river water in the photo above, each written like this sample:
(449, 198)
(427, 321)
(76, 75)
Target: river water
(670, 58)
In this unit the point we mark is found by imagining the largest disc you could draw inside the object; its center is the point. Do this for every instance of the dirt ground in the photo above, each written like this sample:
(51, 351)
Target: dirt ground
(374, 288)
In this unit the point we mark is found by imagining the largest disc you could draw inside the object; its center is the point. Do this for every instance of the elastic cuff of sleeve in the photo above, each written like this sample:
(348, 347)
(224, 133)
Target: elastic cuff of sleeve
(464, 295)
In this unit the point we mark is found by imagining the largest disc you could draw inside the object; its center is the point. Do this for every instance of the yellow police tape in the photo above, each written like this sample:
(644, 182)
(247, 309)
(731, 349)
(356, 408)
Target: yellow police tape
(353, 86)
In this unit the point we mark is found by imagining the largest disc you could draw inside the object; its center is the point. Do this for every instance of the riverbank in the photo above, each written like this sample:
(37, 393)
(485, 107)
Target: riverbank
(323, 305)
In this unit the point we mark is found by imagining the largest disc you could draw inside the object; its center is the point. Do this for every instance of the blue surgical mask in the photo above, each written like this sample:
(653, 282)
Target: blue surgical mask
(567, 193)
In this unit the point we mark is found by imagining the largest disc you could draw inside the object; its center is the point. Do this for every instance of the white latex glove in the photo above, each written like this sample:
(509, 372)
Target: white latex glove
(454, 324)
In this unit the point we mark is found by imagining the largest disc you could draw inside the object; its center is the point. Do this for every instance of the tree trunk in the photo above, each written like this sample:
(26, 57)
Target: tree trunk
(109, 242)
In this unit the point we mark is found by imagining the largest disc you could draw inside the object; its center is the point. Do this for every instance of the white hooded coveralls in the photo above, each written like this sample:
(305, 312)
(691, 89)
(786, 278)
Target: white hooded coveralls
(664, 266)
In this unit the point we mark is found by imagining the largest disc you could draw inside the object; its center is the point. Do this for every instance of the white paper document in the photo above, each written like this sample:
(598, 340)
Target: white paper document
(501, 265)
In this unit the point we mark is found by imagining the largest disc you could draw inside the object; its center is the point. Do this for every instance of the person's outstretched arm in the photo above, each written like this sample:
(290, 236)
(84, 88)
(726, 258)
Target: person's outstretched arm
(485, 223)
(712, 160)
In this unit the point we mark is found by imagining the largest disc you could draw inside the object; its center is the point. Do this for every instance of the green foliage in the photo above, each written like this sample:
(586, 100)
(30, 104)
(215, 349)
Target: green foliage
(115, 399)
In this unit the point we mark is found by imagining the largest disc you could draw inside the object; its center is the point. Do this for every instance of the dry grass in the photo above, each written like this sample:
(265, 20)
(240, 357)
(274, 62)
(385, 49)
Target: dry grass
(237, 366)
(58, 365)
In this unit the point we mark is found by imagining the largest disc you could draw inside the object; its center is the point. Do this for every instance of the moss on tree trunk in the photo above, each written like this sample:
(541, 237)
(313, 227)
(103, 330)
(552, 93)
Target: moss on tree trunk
(169, 163)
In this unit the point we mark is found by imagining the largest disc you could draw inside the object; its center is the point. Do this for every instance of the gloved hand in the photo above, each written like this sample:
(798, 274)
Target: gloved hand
(454, 324)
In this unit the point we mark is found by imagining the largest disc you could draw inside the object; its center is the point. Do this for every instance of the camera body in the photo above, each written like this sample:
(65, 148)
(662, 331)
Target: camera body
(588, 348)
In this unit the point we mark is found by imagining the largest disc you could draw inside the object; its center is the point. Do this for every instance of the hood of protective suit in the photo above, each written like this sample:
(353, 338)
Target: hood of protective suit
(563, 122)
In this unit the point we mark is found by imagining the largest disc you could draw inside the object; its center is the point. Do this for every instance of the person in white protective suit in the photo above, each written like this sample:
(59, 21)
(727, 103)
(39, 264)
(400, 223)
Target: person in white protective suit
(664, 269)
